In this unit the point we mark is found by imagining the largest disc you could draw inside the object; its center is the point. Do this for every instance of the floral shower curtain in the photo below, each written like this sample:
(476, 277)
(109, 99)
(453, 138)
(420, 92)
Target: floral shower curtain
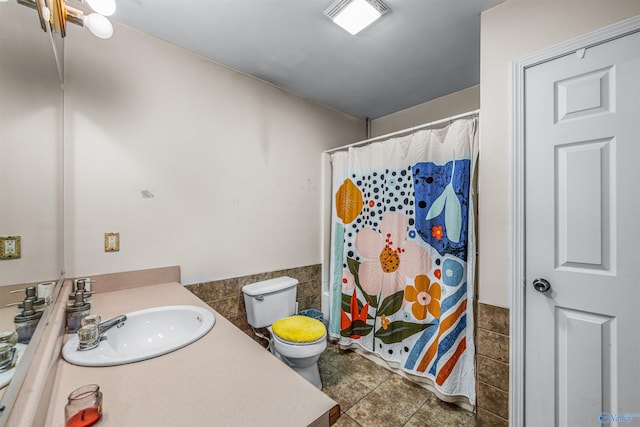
(403, 253)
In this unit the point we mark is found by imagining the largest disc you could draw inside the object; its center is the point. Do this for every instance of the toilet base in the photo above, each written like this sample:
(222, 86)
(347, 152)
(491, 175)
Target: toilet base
(311, 374)
(307, 367)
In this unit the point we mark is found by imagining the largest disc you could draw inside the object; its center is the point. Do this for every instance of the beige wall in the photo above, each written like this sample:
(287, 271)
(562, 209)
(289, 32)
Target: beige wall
(234, 163)
(450, 105)
(30, 148)
(509, 31)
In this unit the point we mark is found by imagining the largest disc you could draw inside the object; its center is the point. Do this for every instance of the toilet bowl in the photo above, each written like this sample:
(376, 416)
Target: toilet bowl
(296, 340)
(301, 356)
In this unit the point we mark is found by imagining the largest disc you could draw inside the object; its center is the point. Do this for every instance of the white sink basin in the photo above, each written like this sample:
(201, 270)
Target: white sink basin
(145, 334)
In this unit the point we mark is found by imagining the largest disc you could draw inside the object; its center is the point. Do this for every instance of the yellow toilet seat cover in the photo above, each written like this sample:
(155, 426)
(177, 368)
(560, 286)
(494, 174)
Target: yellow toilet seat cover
(302, 329)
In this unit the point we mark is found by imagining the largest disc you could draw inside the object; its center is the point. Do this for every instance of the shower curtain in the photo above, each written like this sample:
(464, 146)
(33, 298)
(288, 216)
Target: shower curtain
(403, 253)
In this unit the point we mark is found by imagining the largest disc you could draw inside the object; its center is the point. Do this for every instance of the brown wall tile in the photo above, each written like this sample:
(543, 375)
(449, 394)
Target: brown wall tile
(493, 345)
(303, 274)
(240, 321)
(493, 400)
(487, 419)
(493, 372)
(228, 307)
(493, 318)
(492, 365)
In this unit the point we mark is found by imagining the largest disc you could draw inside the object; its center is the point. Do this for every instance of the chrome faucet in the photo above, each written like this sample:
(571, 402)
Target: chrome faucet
(88, 340)
(108, 324)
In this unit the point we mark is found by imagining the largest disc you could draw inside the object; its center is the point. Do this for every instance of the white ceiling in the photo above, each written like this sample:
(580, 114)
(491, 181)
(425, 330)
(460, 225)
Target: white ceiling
(421, 50)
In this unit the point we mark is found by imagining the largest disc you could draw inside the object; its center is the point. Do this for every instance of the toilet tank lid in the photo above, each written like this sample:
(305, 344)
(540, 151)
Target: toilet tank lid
(269, 286)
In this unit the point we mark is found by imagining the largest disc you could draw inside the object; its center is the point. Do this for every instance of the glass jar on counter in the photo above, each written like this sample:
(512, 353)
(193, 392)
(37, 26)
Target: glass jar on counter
(84, 406)
(76, 312)
(27, 321)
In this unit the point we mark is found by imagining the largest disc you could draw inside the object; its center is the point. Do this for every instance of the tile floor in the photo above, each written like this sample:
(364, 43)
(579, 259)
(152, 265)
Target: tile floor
(372, 396)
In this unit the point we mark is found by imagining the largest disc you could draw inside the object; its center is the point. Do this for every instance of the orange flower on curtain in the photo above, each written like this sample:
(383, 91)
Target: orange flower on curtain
(358, 320)
(436, 231)
(425, 297)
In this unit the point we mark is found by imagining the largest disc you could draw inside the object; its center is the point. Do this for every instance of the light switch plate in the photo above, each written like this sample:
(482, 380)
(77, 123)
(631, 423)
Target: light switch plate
(10, 247)
(111, 242)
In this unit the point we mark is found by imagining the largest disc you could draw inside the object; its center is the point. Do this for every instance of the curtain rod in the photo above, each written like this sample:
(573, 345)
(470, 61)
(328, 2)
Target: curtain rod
(408, 130)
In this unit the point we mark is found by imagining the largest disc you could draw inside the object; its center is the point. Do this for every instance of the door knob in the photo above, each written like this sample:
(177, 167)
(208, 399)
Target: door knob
(541, 285)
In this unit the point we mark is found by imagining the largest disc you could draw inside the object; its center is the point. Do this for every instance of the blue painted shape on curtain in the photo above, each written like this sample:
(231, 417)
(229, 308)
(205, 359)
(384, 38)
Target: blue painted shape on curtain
(442, 205)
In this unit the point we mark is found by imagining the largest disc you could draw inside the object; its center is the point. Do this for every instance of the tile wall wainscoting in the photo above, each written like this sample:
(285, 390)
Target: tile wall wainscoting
(492, 366)
(225, 296)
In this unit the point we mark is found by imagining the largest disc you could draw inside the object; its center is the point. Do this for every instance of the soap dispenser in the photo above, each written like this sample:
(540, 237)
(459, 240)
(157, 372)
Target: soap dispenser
(39, 304)
(76, 312)
(80, 285)
(27, 321)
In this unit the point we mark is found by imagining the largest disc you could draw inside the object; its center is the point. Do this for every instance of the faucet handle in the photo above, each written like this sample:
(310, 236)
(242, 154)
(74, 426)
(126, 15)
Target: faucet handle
(81, 284)
(30, 291)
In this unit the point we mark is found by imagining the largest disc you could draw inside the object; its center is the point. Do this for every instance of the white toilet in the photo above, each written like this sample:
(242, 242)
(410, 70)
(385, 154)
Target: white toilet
(296, 340)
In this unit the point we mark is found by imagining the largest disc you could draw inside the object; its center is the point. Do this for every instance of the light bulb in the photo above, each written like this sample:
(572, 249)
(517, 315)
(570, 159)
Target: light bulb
(98, 25)
(103, 7)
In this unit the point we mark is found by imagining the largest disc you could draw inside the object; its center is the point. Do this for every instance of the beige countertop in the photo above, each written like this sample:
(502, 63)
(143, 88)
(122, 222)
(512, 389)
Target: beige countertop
(223, 379)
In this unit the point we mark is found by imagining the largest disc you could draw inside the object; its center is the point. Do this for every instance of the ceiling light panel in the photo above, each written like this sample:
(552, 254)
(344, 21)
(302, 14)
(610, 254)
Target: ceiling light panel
(355, 15)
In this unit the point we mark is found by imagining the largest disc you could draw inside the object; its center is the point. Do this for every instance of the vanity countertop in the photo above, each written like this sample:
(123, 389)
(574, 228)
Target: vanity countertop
(223, 379)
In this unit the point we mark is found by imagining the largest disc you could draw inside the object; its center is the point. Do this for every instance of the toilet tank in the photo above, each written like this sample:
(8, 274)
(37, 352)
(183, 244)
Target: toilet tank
(270, 300)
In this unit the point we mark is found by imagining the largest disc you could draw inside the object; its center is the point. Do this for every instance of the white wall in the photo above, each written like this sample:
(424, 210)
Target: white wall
(30, 148)
(450, 105)
(234, 163)
(509, 31)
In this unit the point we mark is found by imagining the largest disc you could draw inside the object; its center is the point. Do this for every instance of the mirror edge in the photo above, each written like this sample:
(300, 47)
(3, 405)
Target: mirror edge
(10, 396)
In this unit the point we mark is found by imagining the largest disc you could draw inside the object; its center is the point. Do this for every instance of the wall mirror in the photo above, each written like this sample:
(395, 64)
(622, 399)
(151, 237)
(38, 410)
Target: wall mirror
(31, 168)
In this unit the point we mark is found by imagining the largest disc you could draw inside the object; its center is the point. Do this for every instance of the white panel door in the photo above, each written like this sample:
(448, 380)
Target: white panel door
(582, 183)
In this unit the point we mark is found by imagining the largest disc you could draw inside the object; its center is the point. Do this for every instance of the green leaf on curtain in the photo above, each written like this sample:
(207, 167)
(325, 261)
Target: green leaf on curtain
(354, 266)
(398, 331)
(391, 304)
(452, 215)
(437, 206)
(357, 328)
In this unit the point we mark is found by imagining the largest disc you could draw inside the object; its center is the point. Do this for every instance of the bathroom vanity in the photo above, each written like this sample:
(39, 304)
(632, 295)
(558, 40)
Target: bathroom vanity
(225, 378)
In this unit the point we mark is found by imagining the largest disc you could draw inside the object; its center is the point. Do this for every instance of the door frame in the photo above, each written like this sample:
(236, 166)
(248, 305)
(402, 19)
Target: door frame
(517, 270)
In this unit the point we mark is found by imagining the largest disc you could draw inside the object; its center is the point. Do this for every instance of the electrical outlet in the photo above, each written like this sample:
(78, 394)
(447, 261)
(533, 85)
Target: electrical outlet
(10, 247)
(111, 242)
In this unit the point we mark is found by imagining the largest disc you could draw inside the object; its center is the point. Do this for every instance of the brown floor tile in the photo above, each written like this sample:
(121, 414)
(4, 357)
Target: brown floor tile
(407, 395)
(372, 396)
(346, 421)
(364, 370)
(344, 390)
(436, 413)
(376, 410)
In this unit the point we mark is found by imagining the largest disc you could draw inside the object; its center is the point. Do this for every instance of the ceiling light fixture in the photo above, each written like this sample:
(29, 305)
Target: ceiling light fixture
(356, 15)
(54, 15)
